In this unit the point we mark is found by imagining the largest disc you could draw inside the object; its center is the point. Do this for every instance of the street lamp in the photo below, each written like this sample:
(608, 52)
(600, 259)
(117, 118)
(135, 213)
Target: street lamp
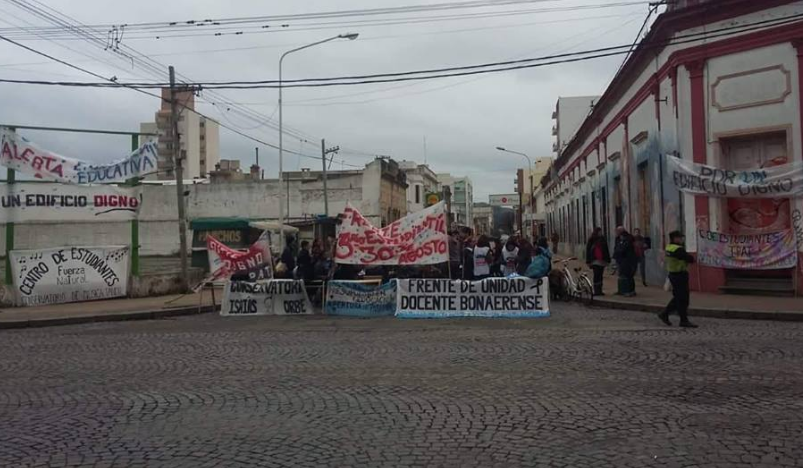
(349, 36)
(521, 201)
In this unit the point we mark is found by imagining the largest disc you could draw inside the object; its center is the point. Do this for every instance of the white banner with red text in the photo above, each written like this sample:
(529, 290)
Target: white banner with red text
(69, 274)
(48, 202)
(417, 239)
(781, 181)
(20, 154)
(512, 297)
(224, 261)
(272, 297)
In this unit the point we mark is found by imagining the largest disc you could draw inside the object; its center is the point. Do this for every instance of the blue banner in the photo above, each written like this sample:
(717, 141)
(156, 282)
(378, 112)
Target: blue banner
(354, 299)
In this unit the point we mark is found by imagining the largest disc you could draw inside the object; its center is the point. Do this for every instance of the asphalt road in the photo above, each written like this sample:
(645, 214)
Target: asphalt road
(585, 388)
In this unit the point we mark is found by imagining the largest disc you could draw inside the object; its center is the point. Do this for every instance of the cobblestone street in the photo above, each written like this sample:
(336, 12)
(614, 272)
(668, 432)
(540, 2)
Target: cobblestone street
(585, 388)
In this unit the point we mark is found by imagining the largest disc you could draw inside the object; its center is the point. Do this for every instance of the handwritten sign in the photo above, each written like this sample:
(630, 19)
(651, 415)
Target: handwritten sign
(69, 274)
(272, 297)
(514, 297)
(769, 182)
(32, 202)
(769, 251)
(225, 261)
(349, 298)
(19, 153)
(417, 239)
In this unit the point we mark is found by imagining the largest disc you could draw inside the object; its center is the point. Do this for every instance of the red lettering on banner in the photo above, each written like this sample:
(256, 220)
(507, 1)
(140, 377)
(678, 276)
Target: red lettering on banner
(419, 238)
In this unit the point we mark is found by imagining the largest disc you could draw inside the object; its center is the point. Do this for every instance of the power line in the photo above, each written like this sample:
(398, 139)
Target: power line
(463, 70)
(222, 27)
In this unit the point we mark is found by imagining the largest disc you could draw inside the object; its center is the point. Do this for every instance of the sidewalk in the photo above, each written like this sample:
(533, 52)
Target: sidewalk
(653, 299)
(109, 310)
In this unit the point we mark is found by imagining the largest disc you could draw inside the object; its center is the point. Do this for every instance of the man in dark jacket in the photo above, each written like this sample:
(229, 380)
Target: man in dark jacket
(597, 258)
(677, 267)
(626, 262)
(304, 262)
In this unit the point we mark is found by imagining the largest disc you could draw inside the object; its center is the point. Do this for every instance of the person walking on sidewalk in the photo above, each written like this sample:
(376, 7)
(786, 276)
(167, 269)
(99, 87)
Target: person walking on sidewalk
(677, 266)
(626, 262)
(597, 258)
(642, 245)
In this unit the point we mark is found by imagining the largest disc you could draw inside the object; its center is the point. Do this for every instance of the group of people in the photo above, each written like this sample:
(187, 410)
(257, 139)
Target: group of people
(479, 257)
(311, 262)
(629, 253)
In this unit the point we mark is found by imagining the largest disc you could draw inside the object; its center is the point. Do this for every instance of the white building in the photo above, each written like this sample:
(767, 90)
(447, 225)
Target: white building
(730, 100)
(569, 114)
(462, 192)
(199, 138)
(421, 180)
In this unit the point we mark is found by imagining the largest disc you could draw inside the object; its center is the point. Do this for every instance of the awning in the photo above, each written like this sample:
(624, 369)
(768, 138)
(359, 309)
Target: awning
(272, 226)
(214, 224)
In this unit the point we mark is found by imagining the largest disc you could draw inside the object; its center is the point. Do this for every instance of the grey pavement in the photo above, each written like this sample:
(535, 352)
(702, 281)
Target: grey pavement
(585, 388)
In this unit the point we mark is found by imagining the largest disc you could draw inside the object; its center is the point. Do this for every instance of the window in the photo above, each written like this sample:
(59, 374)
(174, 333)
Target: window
(584, 230)
(417, 194)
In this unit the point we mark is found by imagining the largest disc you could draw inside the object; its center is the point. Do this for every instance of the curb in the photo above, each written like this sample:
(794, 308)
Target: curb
(735, 314)
(127, 316)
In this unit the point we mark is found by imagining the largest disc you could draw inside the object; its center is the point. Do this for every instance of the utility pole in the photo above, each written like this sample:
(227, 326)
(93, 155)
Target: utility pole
(324, 152)
(179, 171)
(256, 150)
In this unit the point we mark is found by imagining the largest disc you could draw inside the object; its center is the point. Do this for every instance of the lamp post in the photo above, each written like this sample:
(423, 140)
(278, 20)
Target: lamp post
(349, 36)
(521, 196)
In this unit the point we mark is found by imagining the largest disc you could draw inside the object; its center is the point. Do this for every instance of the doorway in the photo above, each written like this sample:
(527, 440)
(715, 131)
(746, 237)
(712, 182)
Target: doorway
(756, 215)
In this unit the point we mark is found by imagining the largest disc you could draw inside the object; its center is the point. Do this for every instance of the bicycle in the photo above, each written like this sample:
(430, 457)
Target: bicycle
(579, 289)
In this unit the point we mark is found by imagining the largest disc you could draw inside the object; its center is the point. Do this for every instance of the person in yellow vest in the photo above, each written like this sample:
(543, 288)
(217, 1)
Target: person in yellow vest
(677, 267)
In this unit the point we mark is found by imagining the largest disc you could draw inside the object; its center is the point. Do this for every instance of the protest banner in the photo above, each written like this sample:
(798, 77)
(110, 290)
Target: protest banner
(513, 297)
(271, 297)
(69, 274)
(769, 251)
(32, 202)
(20, 154)
(355, 299)
(417, 239)
(225, 261)
(768, 182)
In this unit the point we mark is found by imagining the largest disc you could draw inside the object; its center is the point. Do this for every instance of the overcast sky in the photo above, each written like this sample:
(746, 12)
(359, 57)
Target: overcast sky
(462, 119)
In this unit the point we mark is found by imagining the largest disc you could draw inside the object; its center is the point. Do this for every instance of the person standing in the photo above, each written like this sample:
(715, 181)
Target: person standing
(510, 256)
(288, 260)
(597, 258)
(626, 262)
(525, 257)
(641, 244)
(482, 259)
(555, 238)
(304, 262)
(455, 251)
(543, 246)
(677, 268)
(467, 271)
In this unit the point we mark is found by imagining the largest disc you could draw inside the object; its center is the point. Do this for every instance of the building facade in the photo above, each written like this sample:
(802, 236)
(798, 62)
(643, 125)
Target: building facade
(462, 190)
(525, 183)
(199, 138)
(569, 114)
(379, 192)
(421, 181)
(720, 90)
(482, 219)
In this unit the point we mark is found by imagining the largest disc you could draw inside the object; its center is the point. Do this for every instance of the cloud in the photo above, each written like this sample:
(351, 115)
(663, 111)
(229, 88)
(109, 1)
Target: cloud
(463, 119)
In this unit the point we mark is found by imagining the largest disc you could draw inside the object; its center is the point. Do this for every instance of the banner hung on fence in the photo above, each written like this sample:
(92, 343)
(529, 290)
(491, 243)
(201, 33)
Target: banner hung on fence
(69, 274)
(769, 182)
(769, 251)
(417, 239)
(225, 261)
(514, 297)
(271, 297)
(31, 202)
(355, 299)
(20, 154)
